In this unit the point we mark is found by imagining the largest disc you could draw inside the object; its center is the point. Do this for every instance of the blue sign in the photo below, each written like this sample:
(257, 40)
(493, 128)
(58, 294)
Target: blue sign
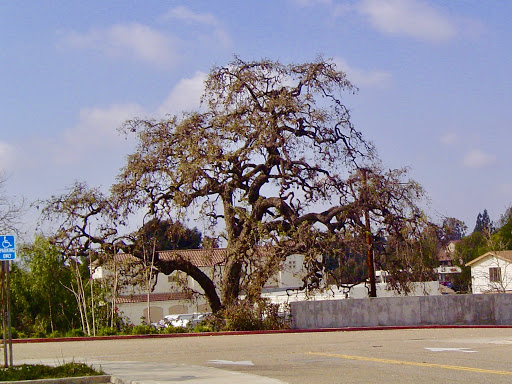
(7, 248)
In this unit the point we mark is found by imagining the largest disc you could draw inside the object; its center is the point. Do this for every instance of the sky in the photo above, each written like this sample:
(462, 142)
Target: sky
(434, 79)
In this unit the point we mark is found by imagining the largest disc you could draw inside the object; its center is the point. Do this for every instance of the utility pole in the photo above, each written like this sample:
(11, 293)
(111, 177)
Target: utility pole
(368, 230)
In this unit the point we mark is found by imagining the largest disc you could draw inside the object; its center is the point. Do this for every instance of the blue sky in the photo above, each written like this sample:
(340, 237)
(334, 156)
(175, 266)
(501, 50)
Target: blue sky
(434, 78)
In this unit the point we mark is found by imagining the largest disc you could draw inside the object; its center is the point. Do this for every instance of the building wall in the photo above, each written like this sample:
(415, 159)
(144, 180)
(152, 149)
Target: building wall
(480, 277)
(360, 291)
(290, 276)
(492, 309)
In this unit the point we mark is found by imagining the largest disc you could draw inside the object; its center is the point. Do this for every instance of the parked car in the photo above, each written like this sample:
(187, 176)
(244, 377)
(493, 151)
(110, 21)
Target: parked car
(181, 320)
(198, 317)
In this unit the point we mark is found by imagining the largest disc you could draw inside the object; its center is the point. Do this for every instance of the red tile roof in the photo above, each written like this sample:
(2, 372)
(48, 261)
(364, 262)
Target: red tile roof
(141, 298)
(125, 258)
(198, 257)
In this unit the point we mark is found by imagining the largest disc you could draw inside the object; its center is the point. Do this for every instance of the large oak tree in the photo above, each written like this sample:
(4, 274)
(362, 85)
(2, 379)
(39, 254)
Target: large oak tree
(267, 155)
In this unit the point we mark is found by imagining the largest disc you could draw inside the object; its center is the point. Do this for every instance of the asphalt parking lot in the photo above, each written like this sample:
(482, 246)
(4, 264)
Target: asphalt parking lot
(460, 355)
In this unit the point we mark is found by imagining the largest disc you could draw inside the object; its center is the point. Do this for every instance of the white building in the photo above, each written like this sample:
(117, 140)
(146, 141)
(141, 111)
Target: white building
(492, 272)
(178, 293)
(446, 268)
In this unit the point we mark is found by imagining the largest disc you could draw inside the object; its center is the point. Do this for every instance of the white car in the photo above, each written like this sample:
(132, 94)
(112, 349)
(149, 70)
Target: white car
(181, 320)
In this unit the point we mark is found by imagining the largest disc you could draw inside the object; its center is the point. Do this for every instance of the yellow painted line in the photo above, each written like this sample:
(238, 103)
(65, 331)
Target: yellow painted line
(413, 363)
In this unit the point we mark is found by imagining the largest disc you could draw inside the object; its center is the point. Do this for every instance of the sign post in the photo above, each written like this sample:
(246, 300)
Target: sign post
(7, 253)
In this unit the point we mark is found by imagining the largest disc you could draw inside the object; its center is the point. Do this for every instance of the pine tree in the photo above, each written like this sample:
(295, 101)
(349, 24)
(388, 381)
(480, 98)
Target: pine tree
(484, 223)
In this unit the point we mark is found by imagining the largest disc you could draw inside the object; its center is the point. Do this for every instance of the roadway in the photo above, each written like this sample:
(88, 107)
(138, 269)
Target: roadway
(459, 355)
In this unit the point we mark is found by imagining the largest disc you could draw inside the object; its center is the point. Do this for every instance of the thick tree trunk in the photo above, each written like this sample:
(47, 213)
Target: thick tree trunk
(204, 281)
(231, 281)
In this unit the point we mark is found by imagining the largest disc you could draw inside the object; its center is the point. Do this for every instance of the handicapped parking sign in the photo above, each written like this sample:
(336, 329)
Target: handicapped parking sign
(7, 248)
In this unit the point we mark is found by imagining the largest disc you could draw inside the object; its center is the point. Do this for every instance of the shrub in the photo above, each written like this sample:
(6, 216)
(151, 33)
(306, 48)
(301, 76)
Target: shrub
(21, 335)
(143, 330)
(171, 329)
(247, 316)
(242, 317)
(39, 371)
(38, 335)
(55, 334)
(77, 332)
(14, 333)
(202, 328)
(272, 318)
(107, 331)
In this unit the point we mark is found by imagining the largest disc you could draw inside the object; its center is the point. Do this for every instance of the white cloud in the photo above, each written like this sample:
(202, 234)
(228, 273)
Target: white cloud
(97, 129)
(132, 41)
(448, 138)
(364, 78)
(7, 154)
(92, 148)
(185, 96)
(188, 16)
(185, 14)
(101, 124)
(477, 158)
(411, 18)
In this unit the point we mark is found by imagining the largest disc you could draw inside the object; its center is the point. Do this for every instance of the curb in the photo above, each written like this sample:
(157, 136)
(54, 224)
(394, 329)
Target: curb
(232, 333)
(100, 379)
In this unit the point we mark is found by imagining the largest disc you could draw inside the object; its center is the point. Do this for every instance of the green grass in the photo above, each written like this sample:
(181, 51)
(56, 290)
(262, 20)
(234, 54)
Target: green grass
(39, 371)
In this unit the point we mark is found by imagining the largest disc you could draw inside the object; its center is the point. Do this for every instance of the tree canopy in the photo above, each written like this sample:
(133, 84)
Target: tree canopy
(273, 159)
(10, 212)
(270, 158)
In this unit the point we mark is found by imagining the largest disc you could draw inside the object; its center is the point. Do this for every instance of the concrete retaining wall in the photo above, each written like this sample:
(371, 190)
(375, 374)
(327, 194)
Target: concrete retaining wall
(491, 309)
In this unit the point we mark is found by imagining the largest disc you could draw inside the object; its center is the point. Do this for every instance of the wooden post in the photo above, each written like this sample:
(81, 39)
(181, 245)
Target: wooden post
(369, 242)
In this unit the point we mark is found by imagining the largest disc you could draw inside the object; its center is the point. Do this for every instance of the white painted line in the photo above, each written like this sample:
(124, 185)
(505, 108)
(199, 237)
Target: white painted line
(465, 350)
(229, 362)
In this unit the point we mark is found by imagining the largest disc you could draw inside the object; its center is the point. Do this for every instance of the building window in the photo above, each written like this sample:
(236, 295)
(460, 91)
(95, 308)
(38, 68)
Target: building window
(495, 275)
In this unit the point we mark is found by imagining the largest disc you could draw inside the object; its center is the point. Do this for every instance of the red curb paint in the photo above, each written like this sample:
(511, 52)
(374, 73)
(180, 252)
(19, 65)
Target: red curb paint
(231, 333)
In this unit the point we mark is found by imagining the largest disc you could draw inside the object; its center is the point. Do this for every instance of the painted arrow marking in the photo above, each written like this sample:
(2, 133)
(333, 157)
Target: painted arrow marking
(465, 350)
(229, 362)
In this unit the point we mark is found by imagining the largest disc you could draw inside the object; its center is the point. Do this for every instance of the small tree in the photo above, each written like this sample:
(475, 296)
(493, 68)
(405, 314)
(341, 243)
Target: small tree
(10, 212)
(49, 306)
(384, 226)
(452, 229)
(504, 231)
